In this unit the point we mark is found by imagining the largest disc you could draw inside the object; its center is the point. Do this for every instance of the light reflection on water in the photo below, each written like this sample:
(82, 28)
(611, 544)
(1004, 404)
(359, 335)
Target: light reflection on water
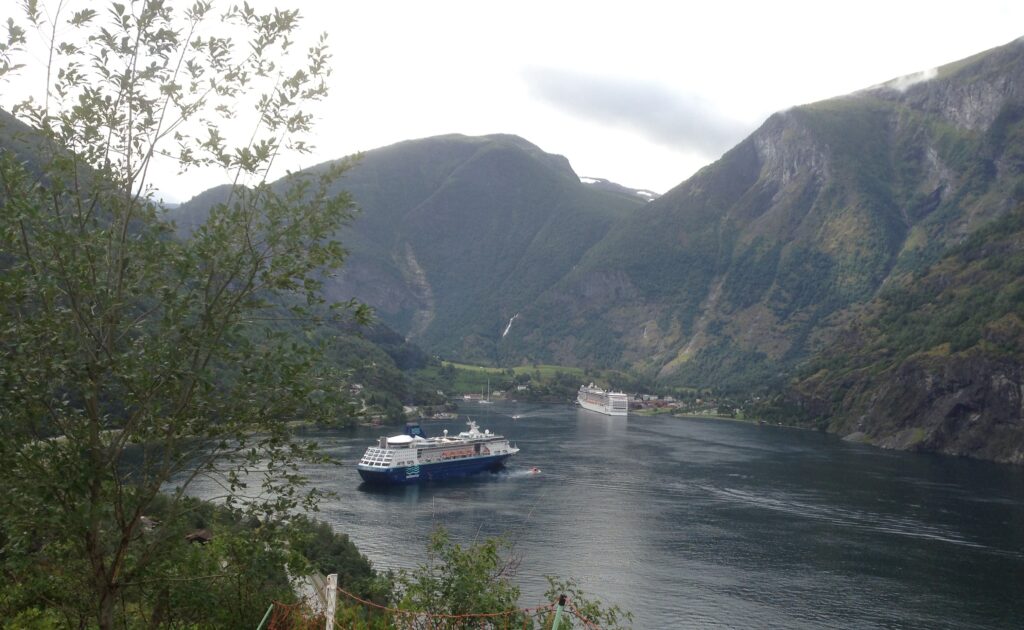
(702, 523)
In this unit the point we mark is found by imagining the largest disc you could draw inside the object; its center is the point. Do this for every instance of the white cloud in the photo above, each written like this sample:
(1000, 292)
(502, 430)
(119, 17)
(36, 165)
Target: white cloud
(900, 84)
(681, 121)
(641, 93)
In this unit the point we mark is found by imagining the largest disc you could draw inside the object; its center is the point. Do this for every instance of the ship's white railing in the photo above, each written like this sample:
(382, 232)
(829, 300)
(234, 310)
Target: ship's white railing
(377, 457)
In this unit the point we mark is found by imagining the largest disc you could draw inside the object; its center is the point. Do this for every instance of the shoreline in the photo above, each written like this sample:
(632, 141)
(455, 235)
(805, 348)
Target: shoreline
(706, 416)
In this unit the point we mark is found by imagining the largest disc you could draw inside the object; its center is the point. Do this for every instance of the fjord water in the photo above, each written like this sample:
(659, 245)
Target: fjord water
(710, 523)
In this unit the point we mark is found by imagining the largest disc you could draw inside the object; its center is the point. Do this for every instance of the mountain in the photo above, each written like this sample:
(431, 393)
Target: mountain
(598, 182)
(458, 234)
(373, 356)
(934, 363)
(860, 258)
(737, 275)
(490, 249)
(18, 137)
(864, 244)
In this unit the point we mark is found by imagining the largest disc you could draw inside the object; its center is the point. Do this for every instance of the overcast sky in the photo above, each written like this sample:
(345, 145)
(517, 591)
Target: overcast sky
(642, 93)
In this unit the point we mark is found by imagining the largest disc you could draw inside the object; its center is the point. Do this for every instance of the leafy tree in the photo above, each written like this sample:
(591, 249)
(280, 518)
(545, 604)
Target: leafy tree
(133, 363)
(477, 579)
(462, 581)
(226, 582)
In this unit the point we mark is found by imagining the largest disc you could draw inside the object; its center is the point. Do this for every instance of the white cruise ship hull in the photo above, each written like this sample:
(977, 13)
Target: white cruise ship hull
(605, 409)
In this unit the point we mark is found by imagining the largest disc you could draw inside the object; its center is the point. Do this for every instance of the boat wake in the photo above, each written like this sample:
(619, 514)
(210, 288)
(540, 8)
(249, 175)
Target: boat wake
(529, 414)
(522, 473)
(897, 525)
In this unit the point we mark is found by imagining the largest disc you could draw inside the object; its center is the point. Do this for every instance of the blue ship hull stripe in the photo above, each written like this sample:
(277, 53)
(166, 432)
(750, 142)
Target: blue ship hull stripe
(433, 472)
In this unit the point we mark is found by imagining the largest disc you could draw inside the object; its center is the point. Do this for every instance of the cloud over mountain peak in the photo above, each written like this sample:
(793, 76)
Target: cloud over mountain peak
(681, 121)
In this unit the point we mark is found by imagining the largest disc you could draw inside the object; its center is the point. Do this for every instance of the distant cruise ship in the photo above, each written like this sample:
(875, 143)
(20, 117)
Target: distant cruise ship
(596, 399)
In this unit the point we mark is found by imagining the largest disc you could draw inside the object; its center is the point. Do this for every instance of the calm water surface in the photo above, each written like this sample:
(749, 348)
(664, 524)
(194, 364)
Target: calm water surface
(705, 523)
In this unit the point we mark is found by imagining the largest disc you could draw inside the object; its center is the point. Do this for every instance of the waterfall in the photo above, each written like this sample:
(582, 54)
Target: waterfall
(509, 325)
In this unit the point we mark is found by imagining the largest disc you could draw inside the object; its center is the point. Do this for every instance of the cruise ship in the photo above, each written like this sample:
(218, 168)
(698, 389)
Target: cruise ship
(596, 399)
(412, 457)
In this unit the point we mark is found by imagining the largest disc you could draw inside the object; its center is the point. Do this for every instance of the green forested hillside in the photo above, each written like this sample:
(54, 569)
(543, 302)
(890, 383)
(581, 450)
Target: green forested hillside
(457, 234)
(934, 363)
(472, 248)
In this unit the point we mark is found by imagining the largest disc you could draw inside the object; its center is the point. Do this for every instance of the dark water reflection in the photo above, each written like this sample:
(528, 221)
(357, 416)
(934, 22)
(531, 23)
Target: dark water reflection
(703, 523)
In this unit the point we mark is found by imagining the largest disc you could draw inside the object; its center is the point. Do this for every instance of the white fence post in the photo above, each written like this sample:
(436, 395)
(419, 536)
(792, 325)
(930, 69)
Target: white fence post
(331, 599)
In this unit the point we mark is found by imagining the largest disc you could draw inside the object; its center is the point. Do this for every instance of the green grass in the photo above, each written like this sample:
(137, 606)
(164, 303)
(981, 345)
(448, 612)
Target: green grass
(559, 380)
(545, 371)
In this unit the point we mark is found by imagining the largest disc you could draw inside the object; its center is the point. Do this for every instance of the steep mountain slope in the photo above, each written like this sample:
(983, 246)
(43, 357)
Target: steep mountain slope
(935, 363)
(456, 235)
(493, 224)
(728, 279)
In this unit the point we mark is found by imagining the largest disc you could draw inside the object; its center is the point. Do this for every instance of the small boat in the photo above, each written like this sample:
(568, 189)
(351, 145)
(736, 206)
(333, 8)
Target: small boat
(535, 471)
(487, 401)
(516, 417)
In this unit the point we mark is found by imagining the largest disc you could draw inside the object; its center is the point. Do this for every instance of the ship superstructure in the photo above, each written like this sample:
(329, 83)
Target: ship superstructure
(606, 402)
(412, 457)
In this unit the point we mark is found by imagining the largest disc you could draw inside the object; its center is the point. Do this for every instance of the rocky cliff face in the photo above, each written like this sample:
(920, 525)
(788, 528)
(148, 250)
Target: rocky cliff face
(934, 364)
(970, 404)
(970, 93)
(786, 150)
